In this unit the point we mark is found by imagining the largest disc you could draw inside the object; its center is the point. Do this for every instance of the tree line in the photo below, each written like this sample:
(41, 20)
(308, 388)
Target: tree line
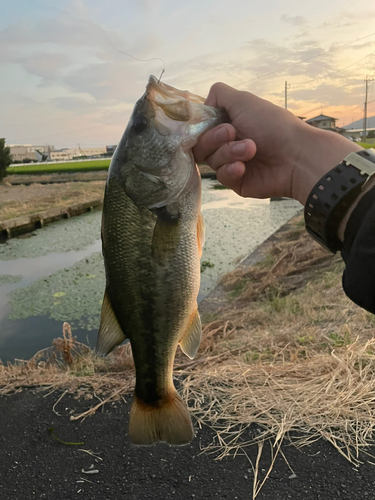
(5, 159)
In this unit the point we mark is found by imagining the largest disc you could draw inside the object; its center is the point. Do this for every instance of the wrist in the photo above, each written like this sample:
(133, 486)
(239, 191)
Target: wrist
(319, 152)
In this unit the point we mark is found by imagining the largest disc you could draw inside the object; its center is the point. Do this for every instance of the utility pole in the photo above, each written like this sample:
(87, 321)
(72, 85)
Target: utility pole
(286, 94)
(365, 109)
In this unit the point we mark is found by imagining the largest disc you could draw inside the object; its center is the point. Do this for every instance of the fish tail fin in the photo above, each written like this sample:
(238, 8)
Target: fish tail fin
(168, 421)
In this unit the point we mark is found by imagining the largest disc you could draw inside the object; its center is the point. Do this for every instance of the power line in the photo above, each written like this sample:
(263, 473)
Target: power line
(304, 60)
(338, 71)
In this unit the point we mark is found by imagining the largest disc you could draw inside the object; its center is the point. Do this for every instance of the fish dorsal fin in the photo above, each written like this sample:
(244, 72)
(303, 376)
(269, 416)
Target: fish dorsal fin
(200, 234)
(110, 333)
(191, 339)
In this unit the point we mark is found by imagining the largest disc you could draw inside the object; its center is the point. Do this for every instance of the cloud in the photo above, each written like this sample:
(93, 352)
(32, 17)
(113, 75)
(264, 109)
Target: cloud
(74, 103)
(293, 20)
(47, 66)
(326, 93)
(305, 58)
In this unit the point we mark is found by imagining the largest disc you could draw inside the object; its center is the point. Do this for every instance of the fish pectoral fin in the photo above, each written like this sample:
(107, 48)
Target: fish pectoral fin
(200, 234)
(165, 238)
(191, 339)
(110, 333)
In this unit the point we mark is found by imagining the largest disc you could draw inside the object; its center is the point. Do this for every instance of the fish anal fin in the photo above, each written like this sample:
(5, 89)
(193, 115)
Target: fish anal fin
(167, 421)
(200, 234)
(110, 333)
(191, 339)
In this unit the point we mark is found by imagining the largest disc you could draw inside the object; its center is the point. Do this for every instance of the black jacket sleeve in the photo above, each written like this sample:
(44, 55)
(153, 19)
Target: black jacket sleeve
(359, 253)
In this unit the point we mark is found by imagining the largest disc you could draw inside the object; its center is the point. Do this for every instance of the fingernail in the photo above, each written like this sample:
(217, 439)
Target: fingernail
(221, 134)
(239, 149)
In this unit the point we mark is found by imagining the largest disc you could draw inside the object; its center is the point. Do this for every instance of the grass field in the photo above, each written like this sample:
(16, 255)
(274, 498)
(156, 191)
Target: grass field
(79, 166)
(16, 201)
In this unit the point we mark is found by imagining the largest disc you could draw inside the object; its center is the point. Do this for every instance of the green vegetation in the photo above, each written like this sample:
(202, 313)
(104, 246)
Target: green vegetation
(5, 159)
(53, 435)
(79, 166)
(205, 264)
(366, 145)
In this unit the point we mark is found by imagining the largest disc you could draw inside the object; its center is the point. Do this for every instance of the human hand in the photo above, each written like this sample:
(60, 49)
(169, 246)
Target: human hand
(266, 151)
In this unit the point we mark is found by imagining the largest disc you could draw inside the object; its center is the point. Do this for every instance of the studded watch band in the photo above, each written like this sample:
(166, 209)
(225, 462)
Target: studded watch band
(332, 196)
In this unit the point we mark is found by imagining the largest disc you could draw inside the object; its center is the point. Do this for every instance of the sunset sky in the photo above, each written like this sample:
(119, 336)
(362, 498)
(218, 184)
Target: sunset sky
(67, 76)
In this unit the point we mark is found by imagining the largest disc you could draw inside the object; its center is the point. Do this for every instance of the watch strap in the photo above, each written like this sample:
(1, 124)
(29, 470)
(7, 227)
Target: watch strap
(356, 218)
(333, 194)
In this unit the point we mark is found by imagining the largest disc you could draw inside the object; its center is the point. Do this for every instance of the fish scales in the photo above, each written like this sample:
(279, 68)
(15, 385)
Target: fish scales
(152, 235)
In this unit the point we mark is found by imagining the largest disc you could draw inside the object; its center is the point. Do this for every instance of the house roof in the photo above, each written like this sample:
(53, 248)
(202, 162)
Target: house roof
(359, 124)
(320, 118)
(348, 131)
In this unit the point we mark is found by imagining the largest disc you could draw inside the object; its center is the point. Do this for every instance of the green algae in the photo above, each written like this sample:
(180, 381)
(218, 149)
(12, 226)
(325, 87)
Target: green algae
(73, 294)
(75, 234)
(8, 279)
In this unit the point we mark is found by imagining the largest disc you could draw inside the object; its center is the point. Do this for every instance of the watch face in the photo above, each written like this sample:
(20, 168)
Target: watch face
(363, 160)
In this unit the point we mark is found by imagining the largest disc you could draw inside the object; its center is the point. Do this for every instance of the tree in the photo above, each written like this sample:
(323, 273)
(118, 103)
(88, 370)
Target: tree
(5, 159)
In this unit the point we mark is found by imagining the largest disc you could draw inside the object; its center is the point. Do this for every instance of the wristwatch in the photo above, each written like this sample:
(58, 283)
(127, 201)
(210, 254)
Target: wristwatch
(333, 194)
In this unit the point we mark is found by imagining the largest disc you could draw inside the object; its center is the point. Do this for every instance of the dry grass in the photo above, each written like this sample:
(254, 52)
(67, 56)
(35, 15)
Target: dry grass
(71, 365)
(286, 351)
(22, 200)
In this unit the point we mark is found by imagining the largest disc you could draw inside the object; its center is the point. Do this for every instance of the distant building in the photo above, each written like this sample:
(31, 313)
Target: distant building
(76, 153)
(324, 122)
(111, 149)
(354, 130)
(28, 152)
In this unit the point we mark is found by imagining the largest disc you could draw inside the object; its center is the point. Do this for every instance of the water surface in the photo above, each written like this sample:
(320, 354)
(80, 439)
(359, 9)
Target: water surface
(57, 273)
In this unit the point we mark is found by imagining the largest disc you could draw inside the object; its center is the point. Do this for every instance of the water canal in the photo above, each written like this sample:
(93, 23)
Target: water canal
(57, 273)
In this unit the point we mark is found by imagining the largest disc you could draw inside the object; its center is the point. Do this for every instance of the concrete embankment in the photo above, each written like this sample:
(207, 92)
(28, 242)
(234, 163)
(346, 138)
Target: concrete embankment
(218, 297)
(27, 223)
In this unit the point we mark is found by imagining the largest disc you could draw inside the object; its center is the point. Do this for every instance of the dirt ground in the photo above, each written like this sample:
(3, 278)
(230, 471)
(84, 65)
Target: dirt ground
(17, 200)
(28, 194)
(103, 465)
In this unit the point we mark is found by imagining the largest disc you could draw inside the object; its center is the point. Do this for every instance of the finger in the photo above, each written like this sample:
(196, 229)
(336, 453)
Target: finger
(213, 140)
(230, 153)
(231, 175)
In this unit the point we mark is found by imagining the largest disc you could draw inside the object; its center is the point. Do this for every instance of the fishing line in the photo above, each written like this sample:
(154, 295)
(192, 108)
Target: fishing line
(161, 74)
(97, 26)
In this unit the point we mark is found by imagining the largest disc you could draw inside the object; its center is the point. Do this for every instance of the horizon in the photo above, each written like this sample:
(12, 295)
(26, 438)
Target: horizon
(70, 74)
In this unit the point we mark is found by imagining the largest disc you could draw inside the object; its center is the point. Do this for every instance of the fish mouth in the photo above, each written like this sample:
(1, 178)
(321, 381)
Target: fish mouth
(178, 105)
(160, 91)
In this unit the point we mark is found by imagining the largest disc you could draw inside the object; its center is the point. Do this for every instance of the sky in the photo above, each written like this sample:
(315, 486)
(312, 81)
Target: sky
(70, 71)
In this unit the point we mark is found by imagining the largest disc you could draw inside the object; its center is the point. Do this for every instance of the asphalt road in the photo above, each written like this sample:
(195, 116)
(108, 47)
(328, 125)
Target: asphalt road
(34, 464)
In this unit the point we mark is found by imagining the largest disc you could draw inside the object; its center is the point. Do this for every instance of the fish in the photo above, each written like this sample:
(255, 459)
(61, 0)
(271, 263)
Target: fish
(152, 239)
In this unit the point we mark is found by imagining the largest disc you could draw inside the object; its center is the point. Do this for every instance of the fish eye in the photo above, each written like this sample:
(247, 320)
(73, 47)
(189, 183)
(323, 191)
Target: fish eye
(139, 124)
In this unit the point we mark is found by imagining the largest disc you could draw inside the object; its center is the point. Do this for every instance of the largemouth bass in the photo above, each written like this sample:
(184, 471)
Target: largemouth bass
(152, 238)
